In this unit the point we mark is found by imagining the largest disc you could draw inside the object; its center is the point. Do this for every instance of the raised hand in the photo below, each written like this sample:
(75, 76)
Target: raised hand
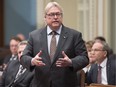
(64, 62)
(37, 60)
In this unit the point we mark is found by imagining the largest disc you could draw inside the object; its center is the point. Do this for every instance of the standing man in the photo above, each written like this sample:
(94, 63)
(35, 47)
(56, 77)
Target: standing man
(55, 52)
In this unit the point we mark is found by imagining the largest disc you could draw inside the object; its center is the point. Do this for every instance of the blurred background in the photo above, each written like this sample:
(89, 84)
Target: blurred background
(91, 17)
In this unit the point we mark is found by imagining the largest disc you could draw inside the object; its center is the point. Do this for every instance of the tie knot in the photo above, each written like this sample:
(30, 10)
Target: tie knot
(13, 56)
(53, 33)
(99, 67)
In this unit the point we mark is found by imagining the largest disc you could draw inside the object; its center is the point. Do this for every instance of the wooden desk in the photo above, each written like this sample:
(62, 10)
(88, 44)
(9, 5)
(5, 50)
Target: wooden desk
(100, 85)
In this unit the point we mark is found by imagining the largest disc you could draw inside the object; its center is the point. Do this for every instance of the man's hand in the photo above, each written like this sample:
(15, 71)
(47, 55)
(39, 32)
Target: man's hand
(37, 60)
(64, 62)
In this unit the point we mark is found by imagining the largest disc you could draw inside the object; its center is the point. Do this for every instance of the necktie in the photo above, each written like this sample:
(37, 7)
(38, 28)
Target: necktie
(20, 72)
(12, 58)
(99, 75)
(53, 45)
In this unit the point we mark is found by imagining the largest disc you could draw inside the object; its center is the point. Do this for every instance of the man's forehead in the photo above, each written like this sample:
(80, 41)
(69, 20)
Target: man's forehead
(52, 9)
(97, 44)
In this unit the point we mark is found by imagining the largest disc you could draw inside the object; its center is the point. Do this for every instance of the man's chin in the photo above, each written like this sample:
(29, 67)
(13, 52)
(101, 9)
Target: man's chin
(56, 26)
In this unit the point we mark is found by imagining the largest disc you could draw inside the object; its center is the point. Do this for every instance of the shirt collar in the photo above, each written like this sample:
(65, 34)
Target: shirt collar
(49, 30)
(103, 64)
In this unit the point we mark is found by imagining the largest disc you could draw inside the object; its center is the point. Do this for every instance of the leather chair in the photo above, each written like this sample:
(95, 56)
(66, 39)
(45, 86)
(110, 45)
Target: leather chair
(81, 78)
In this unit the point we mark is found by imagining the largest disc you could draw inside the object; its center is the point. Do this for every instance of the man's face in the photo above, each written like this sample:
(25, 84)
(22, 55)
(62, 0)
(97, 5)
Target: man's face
(20, 50)
(13, 46)
(53, 18)
(97, 52)
(91, 58)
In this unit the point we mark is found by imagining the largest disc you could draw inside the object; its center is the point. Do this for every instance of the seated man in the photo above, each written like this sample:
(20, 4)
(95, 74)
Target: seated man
(15, 75)
(104, 71)
(101, 38)
(13, 48)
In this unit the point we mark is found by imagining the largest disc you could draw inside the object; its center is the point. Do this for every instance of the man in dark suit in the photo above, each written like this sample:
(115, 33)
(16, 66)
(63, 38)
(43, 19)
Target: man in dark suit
(106, 62)
(15, 75)
(56, 67)
(13, 49)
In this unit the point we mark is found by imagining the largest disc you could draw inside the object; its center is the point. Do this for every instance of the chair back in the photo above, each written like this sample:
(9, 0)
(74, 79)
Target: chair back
(81, 78)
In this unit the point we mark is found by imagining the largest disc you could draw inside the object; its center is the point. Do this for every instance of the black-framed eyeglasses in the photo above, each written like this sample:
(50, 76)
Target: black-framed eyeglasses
(51, 15)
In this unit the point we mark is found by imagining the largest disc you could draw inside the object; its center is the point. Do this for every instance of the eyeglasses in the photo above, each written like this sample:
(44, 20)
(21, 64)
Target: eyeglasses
(96, 50)
(51, 15)
(13, 45)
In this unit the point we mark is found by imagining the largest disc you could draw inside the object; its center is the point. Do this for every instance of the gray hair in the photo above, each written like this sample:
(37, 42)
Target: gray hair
(105, 47)
(53, 4)
(24, 42)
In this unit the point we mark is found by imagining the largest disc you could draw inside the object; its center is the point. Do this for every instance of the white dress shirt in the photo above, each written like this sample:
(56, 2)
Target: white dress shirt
(104, 72)
(49, 37)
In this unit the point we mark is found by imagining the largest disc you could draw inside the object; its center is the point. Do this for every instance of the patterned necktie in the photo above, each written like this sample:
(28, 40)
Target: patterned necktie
(20, 72)
(12, 58)
(99, 75)
(53, 45)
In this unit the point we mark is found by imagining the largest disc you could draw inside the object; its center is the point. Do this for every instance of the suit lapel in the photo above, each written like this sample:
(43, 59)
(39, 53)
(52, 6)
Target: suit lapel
(108, 70)
(16, 68)
(44, 45)
(22, 76)
(95, 73)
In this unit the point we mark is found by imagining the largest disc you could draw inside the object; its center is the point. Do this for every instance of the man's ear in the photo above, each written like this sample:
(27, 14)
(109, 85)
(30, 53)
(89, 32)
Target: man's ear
(44, 18)
(105, 53)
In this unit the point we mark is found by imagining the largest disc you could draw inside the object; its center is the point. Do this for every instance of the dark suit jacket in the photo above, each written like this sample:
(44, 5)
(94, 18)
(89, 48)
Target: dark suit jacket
(7, 59)
(111, 72)
(71, 43)
(9, 75)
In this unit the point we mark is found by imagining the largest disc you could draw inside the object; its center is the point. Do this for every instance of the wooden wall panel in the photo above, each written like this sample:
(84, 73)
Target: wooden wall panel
(1, 24)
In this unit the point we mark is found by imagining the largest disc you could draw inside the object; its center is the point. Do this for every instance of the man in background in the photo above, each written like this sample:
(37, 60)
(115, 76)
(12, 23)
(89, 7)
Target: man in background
(15, 75)
(13, 48)
(104, 71)
(101, 38)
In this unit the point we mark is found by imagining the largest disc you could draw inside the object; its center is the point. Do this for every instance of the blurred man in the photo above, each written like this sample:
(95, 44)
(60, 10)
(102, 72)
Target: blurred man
(15, 75)
(92, 60)
(13, 48)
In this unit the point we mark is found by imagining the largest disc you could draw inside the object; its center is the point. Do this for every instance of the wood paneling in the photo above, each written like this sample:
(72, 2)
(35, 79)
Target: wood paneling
(1, 24)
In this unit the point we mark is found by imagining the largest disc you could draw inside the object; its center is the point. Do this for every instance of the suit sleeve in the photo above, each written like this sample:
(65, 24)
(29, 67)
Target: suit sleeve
(81, 59)
(28, 55)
